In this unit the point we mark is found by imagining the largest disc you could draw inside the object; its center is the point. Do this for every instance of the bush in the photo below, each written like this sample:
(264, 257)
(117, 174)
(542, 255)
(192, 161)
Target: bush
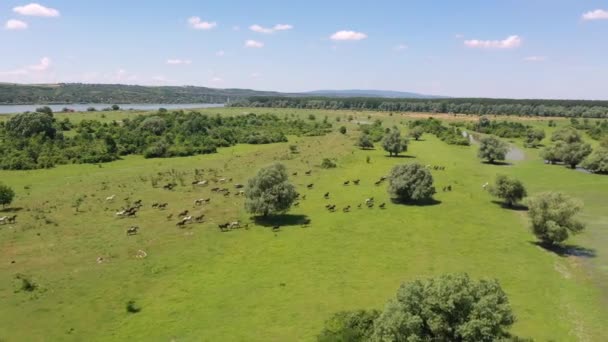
(552, 217)
(446, 308)
(328, 164)
(347, 326)
(7, 195)
(416, 132)
(509, 189)
(269, 191)
(597, 162)
(411, 182)
(365, 142)
(492, 149)
(343, 130)
(132, 307)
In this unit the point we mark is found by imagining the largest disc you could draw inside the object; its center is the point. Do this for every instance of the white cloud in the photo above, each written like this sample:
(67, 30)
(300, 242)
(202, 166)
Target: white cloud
(197, 24)
(459, 36)
(217, 79)
(254, 44)
(179, 61)
(34, 73)
(400, 47)
(275, 28)
(598, 14)
(44, 64)
(36, 10)
(348, 35)
(507, 43)
(535, 59)
(220, 53)
(14, 24)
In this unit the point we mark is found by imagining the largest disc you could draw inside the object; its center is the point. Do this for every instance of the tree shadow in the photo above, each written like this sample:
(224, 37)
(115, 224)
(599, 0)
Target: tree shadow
(423, 203)
(281, 220)
(497, 163)
(11, 210)
(400, 156)
(515, 207)
(567, 250)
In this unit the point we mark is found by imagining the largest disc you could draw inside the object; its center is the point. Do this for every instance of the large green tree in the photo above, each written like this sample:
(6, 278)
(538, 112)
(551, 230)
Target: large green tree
(492, 149)
(269, 191)
(411, 182)
(597, 162)
(29, 124)
(509, 189)
(574, 153)
(393, 143)
(6, 195)
(447, 308)
(365, 142)
(416, 132)
(552, 217)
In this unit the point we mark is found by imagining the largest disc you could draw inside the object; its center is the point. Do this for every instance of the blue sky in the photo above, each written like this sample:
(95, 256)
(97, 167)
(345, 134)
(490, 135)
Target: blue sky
(482, 48)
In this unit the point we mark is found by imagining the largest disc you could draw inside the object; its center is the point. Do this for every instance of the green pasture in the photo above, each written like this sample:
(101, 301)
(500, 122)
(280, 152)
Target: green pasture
(200, 284)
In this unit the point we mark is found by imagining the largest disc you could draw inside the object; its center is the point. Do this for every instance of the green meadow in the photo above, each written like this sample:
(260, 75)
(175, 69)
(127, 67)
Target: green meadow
(256, 284)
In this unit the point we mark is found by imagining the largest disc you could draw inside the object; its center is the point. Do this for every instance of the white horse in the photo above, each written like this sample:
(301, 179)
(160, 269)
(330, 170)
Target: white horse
(110, 198)
(3, 219)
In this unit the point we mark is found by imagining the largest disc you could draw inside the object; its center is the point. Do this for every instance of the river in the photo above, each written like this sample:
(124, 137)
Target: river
(81, 107)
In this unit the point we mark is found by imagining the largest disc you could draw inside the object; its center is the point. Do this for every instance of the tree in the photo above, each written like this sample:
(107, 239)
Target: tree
(45, 110)
(492, 149)
(567, 135)
(365, 142)
(393, 144)
(552, 217)
(343, 130)
(447, 308)
(349, 326)
(29, 124)
(597, 162)
(411, 182)
(534, 137)
(269, 191)
(115, 107)
(552, 153)
(416, 132)
(509, 189)
(574, 153)
(6, 195)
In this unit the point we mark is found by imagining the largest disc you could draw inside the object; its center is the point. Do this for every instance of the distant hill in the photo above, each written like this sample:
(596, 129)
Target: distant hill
(119, 93)
(371, 93)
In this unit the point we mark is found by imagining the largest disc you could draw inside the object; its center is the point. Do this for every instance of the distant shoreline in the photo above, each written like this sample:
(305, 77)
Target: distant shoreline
(6, 109)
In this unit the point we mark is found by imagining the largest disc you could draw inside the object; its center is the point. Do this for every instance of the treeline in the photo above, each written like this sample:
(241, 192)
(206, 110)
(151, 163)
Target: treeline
(118, 93)
(476, 106)
(38, 140)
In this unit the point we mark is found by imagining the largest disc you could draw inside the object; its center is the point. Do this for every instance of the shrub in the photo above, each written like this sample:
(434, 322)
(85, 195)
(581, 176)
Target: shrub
(597, 162)
(492, 149)
(349, 326)
(365, 142)
(343, 130)
(132, 307)
(7, 194)
(328, 164)
(411, 182)
(552, 217)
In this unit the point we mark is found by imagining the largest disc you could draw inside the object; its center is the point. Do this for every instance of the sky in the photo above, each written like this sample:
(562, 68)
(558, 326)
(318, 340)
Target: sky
(476, 48)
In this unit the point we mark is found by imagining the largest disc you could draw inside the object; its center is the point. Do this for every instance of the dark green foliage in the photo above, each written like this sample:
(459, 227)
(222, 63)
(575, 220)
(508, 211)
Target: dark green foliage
(568, 148)
(477, 106)
(446, 308)
(411, 183)
(393, 143)
(492, 149)
(534, 137)
(374, 131)
(293, 148)
(416, 132)
(597, 162)
(45, 109)
(503, 129)
(349, 326)
(115, 107)
(343, 129)
(450, 135)
(132, 307)
(7, 195)
(269, 191)
(365, 142)
(30, 124)
(552, 217)
(574, 153)
(509, 189)
(35, 143)
(567, 134)
(328, 164)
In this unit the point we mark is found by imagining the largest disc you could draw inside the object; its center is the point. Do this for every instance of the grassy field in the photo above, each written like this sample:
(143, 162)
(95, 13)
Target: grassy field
(257, 285)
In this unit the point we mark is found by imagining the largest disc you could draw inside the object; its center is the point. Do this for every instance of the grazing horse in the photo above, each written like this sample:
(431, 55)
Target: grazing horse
(234, 225)
(133, 230)
(276, 228)
(378, 183)
(163, 206)
(110, 198)
(296, 204)
(346, 183)
(3, 219)
(382, 206)
(199, 218)
(183, 213)
(346, 209)
(294, 174)
(239, 186)
(181, 223)
(326, 196)
(356, 181)
(223, 227)
(310, 186)
(202, 201)
(12, 219)
(308, 173)
(306, 223)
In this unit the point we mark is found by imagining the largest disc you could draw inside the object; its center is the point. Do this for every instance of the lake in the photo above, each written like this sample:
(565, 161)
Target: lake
(81, 107)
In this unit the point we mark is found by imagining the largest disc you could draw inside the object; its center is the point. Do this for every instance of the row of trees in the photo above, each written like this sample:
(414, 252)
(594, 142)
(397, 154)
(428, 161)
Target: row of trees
(569, 148)
(476, 106)
(38, 140)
